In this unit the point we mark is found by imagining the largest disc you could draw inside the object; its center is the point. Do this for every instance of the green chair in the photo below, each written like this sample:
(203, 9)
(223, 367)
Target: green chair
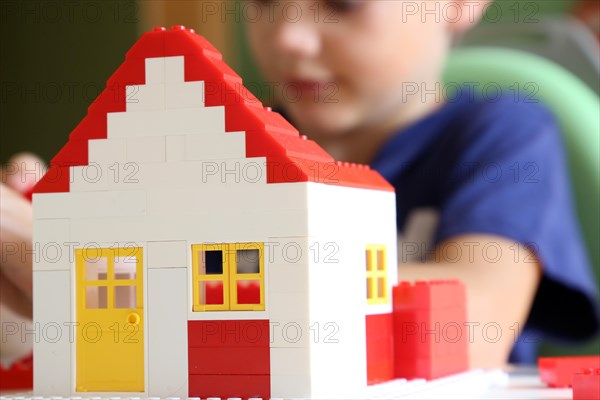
(575, 105)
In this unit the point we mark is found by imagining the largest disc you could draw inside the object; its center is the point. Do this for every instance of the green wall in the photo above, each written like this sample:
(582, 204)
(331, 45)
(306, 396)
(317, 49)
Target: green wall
(55, 57)
(524, 10)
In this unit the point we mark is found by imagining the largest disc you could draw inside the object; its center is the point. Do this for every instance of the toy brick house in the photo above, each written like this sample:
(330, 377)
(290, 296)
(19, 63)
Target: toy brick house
(193, 244)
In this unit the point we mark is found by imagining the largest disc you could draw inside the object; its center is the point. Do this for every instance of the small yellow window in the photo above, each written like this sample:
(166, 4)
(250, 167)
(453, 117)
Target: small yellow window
(228, 277)
(377, 287)
(109, 278)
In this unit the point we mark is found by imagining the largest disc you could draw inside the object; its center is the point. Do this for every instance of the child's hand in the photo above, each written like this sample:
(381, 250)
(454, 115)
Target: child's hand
(18, 177)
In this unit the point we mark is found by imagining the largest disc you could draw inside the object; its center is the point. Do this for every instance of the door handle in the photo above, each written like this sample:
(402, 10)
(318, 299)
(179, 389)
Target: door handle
(133, 318)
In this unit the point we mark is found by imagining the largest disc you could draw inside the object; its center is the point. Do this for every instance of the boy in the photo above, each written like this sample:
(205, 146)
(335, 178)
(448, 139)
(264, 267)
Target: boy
(513, 240)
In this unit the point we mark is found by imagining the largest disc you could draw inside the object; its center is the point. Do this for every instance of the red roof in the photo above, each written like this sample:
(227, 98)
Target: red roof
(290, 156)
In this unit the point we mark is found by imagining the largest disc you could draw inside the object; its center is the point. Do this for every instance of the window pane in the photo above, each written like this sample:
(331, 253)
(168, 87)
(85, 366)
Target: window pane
(248, 292)
(211, 262)
(369, 294)
(95, 297)
(211, 292)
(380, 260)
(381, 288)
(125, 297)
(248, 262)
(125, 267)
(368, 260)
(96, 268)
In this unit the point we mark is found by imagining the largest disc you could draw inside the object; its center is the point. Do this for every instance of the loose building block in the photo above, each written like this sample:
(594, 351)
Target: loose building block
(559, 371)
(17, 377)
(426, 316)
(586, 384)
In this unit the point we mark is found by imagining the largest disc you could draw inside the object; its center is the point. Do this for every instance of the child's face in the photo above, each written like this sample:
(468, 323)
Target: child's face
(352, 62)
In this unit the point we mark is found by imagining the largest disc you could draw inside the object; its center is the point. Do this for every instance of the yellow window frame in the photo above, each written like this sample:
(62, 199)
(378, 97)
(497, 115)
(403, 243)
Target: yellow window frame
(229, 278)
(198, 278)
(234, 276)
(376, 259)
(81, 255)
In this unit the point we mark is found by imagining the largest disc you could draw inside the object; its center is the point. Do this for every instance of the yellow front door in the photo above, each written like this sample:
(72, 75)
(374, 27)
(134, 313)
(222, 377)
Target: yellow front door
(110, 320)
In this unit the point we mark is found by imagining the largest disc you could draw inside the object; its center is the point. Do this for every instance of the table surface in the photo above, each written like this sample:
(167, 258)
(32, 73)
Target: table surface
(525, 383)
(522, 383)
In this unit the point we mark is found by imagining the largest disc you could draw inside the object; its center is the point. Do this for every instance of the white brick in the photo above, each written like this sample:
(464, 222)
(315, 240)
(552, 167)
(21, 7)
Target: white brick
(146, 149)
(290, 386)
(226, 315)
(89, 178)
(199, 228)
(168, 122)
(174, 69)
(184, 95)
(290, 319)
(89, 204)
(220, 145)
(145, 97)
(175, 148)
(289, 278)
(167, 332)
(288, 361)
(106, 151)
(51, 239)
(167, 254)
(155, 70)
(291, 252)
(52, 308)
(245, 178)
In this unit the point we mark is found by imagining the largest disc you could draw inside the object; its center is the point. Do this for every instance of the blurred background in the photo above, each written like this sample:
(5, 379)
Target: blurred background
(55, 57)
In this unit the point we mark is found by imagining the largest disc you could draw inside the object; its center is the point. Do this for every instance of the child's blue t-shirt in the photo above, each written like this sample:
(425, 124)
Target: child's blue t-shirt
(496, 167)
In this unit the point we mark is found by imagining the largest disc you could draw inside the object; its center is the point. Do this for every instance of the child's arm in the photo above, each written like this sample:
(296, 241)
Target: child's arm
(15, 274)
(16, 225)
(15, 240)
(501, 283)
